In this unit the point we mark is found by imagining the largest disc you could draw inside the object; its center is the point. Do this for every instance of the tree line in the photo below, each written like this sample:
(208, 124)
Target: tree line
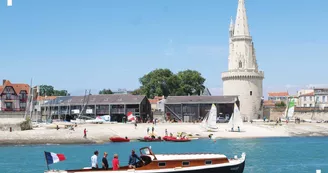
(161, 82)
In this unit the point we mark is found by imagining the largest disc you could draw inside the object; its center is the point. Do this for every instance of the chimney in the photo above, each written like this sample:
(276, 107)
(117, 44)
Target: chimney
(4, 81)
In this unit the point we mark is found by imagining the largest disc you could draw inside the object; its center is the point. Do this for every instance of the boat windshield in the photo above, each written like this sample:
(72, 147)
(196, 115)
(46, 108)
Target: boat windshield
(145, 151)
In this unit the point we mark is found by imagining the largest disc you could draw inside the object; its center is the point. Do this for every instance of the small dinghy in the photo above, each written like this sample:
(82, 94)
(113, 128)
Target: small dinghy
(175, 139)
(119, 139)
(150, 139)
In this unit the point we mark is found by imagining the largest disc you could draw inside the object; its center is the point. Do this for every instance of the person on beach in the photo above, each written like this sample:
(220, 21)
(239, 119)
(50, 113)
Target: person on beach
(166, 134)
(57, 127)
(153, 129)
(135, 125)
(133, 160)
(147, 130)
(115, 162)
(94, 160)
(105, 161)
(85, 133)
(238, 129)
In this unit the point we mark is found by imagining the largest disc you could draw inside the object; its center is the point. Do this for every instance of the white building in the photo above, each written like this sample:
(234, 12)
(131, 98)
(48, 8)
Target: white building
(316, 97)
(243, 78)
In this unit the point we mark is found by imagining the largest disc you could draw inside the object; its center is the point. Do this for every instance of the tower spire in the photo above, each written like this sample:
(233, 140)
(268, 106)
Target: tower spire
(241, 23)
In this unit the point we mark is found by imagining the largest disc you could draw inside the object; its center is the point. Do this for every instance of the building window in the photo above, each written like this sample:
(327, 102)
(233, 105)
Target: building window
(304, 98)
(240, 64)
(304, 105)
(208, 162)
(8, 105)
(185, 163)
(310, 105)
(161, 164)
(8, 96)
(250, 93)
(323, 98)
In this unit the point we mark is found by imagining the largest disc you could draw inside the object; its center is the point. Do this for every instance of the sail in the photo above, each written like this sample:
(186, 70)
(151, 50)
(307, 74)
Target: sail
(211, 121)
(291, 107)
(235, 119)
(204, 122)
(230, 123)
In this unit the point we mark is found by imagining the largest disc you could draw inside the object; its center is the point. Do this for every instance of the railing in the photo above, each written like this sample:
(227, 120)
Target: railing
(117, 111)
(13, 109)
(102, 111)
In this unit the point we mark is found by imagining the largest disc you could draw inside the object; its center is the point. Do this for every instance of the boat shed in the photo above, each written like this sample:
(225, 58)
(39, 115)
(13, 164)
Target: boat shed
(115, 105)
(194, 108)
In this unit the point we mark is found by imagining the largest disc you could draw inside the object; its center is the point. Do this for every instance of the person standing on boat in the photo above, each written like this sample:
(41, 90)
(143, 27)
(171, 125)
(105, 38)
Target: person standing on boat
(133, 160)
(94, 160)
(105, 162)
(116, 162)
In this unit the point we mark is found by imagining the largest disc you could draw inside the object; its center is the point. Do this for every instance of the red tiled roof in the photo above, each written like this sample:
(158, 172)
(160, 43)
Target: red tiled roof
(39, 98)
(17, 87)
(269, 103)
(153, 101)
(278, 94)
(308, 94)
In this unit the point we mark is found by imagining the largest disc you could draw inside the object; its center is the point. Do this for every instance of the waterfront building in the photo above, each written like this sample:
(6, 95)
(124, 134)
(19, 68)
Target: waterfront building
(13, 96)
(193, 108)
(278, 97)
(115, 105)
(243, 78)
(316, 97)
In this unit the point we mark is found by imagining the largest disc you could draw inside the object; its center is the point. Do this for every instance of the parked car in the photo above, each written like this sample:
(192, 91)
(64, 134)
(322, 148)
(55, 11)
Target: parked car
(222, 120)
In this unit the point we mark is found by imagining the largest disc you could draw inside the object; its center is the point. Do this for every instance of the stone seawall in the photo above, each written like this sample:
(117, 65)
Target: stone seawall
(315, 114)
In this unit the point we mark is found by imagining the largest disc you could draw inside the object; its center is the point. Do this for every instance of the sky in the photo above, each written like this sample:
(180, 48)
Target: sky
(96, 44)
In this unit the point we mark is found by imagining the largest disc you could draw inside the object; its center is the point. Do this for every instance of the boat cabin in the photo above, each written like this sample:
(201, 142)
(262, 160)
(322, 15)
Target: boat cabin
(169, 161)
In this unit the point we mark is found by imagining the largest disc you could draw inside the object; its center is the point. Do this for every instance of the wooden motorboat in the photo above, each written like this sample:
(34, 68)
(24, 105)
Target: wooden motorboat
(176, 163)
(119, 139)
(150, 139)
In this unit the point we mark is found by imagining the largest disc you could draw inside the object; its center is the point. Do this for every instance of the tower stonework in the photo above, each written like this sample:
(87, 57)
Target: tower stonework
(243, 78)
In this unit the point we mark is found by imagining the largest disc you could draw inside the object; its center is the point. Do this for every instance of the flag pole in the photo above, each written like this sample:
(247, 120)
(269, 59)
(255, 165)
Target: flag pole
(46, 160)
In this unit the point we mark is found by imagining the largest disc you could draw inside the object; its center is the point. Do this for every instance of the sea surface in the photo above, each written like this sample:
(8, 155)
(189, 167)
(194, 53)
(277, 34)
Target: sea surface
(265, 155)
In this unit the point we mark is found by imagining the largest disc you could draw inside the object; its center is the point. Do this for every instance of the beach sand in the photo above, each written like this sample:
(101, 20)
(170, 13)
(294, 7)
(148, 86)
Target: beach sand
(100, 133)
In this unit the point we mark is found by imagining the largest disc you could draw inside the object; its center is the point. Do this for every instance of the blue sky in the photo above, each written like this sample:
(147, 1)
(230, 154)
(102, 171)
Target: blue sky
(95, 44)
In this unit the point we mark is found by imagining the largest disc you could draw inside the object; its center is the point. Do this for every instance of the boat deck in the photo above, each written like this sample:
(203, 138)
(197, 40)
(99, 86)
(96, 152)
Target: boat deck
(188, 156)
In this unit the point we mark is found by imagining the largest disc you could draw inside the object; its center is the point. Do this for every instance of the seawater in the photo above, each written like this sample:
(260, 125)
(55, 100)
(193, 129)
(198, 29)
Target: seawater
(265, 155)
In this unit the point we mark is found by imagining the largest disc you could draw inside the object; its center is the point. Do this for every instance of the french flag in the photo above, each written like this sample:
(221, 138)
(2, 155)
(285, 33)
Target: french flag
(53, 157)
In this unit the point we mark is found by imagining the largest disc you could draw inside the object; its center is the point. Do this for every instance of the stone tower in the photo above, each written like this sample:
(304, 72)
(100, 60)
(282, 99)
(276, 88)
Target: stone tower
(243, 78)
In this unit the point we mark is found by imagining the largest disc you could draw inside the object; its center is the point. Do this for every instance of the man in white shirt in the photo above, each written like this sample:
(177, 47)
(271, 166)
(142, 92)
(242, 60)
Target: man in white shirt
(94, 160)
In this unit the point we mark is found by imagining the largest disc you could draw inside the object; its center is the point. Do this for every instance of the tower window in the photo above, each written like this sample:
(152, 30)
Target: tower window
(240, 64)
(250, 93)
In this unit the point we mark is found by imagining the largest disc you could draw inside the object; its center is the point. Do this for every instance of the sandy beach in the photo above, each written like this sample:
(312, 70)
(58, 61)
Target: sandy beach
(100, 133)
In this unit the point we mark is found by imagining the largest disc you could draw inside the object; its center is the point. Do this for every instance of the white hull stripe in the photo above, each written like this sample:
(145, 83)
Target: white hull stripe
(231, 163)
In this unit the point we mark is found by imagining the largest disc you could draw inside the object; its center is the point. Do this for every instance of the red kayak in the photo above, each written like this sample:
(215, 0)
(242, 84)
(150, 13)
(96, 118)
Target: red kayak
(168, 138)
(119, 139)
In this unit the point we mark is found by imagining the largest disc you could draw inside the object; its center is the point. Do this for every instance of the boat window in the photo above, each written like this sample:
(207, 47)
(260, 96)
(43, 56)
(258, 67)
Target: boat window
(208, 162)
(161, 164)
(185, 163)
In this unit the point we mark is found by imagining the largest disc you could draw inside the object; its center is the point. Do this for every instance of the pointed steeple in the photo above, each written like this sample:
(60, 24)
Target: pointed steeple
(231, 24)
(241, 23)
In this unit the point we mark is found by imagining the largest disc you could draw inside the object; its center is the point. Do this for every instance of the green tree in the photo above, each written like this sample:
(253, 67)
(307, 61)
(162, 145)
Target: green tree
(156, 83)
(48, 90)
(136, 92)
(106, 91)
(163, 82)
(191, 82)
(280, 104)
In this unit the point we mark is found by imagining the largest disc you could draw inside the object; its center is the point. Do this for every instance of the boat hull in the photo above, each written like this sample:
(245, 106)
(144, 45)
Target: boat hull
(235, 168)
(118, 139)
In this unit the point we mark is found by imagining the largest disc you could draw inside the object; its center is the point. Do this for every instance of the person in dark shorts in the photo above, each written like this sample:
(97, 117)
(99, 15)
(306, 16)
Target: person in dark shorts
(104, 161)
(133, 160)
